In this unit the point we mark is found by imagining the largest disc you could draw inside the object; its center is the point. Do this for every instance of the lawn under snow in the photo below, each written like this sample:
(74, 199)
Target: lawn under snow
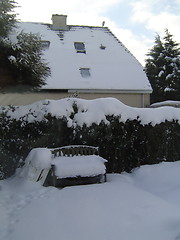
(143, 205)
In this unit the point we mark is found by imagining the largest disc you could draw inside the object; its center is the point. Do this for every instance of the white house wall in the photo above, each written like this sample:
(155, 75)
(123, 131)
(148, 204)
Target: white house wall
(131, 99)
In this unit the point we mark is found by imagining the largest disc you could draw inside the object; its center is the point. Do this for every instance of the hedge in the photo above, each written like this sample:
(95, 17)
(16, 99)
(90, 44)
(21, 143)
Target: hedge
(126, 145)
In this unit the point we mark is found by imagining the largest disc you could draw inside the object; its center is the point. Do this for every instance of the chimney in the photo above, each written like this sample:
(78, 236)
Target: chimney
(59, 22)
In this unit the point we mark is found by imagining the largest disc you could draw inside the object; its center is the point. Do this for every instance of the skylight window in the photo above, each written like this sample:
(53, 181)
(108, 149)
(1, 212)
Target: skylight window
(45, 44)
(85, 72)
(80, 47)
(61, 35)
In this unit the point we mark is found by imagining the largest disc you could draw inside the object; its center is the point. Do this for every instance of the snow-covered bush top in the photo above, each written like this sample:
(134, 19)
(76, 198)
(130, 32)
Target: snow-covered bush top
(80, 111)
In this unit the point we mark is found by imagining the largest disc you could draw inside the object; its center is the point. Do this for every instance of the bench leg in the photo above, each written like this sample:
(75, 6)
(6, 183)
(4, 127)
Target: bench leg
(105, 178)
(53, 175)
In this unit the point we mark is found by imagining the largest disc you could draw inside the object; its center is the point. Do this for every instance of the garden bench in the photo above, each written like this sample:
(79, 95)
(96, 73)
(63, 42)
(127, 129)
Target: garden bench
(74, 165)
(75, 150)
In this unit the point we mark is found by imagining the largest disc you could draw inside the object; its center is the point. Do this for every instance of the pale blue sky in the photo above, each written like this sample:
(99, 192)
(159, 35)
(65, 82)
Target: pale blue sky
(134, 22)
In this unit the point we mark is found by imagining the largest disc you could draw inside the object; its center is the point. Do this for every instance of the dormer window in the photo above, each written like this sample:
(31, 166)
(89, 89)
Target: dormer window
(80, 47)
(85, 72)
(61, 35)
(45, 44)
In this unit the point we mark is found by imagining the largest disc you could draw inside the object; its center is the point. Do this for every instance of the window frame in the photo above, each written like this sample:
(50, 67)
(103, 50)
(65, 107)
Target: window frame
(85, 72)
(45, 44)
(80, 47)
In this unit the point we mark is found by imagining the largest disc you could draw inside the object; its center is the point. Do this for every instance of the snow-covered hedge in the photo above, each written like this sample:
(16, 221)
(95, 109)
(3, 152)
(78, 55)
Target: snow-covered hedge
(128, 137)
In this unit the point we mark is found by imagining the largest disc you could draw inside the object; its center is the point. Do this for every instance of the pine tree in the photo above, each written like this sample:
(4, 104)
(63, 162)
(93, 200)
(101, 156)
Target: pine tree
(31, 70)
(163, 69)
(7, 23)
(22, 61)
(154, 67)
(172, 70)
(7, 17)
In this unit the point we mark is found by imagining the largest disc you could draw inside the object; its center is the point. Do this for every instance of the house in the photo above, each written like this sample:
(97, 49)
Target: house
(87, 61)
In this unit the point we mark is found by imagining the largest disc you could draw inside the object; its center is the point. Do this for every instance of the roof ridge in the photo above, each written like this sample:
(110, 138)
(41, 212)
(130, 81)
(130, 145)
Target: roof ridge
(49, 24)
(86, 26)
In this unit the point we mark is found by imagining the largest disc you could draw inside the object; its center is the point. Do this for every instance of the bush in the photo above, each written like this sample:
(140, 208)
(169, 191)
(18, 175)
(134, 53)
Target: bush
(125, 145)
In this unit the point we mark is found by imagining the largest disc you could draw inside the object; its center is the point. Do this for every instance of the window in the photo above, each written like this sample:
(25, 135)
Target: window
(61, 35)
(45, 44)
(85, 72)
(80, 47)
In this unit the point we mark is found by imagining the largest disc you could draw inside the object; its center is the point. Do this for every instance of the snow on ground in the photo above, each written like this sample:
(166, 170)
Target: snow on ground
(143, 205)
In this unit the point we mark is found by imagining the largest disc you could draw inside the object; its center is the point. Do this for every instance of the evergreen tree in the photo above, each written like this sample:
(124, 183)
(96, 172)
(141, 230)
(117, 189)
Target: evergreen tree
(30, 69)
(172, 71)
(22, 61)
(7, 23)
(7, 17)
(163, 69)
(154, 67)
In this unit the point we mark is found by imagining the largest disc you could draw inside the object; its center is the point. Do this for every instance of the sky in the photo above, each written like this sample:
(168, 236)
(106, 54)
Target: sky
(134, 22)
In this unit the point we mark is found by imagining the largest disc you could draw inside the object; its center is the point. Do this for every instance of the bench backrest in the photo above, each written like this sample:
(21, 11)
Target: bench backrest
(78, 150)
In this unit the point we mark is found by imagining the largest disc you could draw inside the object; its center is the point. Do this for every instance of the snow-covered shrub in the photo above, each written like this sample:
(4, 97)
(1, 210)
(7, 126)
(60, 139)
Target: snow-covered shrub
(131, 144)
(127, 139)
(18, 137)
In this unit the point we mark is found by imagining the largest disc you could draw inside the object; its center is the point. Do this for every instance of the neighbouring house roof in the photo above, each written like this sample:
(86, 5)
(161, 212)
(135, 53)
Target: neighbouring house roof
(169, 103)
(88, 58)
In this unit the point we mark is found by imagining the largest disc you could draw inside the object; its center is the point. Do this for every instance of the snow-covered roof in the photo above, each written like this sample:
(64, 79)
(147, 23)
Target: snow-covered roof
(106, 64)
(166, 103)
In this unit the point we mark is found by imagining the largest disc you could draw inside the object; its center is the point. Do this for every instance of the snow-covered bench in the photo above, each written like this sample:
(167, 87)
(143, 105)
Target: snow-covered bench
(75, 150)
(74, 165)
(64, 166)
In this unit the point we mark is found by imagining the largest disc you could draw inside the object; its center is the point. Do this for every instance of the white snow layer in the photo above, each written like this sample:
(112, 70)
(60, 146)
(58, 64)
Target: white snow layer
(39, 158)
(167, 103)
(143, 205)
(91, 111)
(84, 166)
